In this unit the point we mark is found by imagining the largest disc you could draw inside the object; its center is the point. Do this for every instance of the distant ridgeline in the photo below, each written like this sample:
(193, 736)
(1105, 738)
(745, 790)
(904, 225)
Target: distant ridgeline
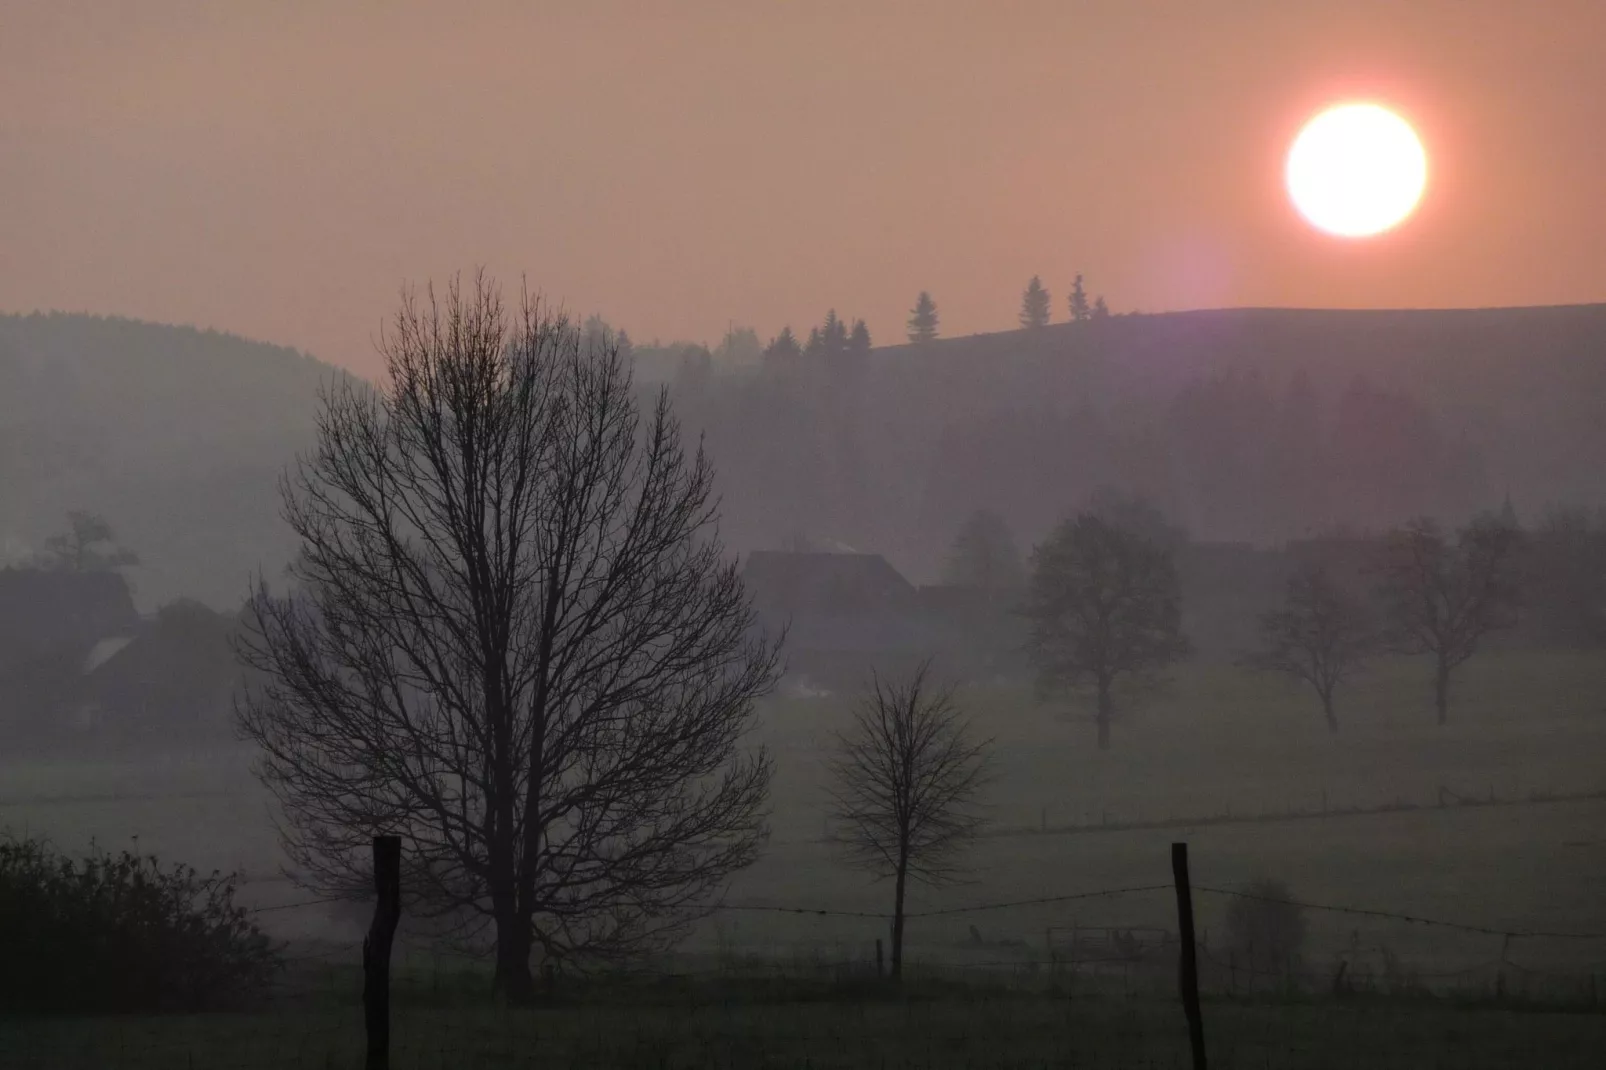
(1243, 425)
(176, 436)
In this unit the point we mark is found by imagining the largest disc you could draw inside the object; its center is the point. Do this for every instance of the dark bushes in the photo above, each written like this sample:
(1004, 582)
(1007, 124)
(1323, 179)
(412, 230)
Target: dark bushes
(121, 933)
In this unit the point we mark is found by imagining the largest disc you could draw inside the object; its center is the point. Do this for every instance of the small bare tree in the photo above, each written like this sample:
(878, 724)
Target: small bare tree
(513, 639)
(1442, 598)
(905, 783)
(1104, 605)
(1320, 635)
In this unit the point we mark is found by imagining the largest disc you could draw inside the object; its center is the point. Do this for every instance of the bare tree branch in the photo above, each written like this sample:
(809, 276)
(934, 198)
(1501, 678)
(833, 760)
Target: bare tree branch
(905, 779)
(1104, 605)
(1442, 599)
(515, 640)
(1320, 636)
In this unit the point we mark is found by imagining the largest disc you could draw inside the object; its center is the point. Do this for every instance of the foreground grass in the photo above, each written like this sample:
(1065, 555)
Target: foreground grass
(943, 1030)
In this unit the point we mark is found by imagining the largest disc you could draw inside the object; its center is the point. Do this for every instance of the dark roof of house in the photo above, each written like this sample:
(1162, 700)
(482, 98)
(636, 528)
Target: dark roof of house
(785, 583)
(48, 609)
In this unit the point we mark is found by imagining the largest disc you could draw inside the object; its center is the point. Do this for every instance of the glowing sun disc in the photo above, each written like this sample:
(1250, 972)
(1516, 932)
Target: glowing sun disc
(1356, 170)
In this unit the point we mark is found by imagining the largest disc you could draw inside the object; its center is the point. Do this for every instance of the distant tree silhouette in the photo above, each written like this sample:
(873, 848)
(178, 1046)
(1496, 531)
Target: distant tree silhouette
(88, 545)
(1034, 305)
(1104, 605)
(904, 784)
(1442, 598)
(859, 339)
(923, 319)
(783, 348)
(1081, 311)
(739, 347)
(833, 335)
(1101, 311)
(1320, 635)
(1265, 927)
(1566, 576)
(1135, 514)
(816, 343)
(984, 555)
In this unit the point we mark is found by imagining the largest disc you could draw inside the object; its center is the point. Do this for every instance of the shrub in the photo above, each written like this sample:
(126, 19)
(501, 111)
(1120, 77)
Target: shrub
(121, 933)
(1265, 929)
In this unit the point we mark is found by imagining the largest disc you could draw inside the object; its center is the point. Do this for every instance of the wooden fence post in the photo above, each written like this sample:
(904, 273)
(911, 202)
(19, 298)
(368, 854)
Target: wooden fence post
(376, 950)
(1189, 979)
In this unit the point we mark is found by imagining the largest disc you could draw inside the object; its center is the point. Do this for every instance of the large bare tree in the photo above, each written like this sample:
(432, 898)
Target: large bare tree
(1104, 605)
(1443, 597)
(514, 639)
(905, 781)
(1320, 635)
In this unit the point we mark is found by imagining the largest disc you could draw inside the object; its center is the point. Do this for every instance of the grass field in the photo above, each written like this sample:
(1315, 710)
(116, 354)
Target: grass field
(1218, 741)
(953, 1030)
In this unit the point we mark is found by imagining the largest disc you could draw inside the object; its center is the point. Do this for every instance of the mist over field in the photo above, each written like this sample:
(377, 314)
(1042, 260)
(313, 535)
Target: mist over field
(800, 563)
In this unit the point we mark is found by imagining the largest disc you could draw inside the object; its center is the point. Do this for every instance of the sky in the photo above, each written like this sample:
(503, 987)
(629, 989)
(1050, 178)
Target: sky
(281, 170)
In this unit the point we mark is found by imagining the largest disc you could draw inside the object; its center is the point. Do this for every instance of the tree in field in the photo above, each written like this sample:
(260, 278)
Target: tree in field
(1034, 305)
(984, 556)
(1320, 635)
(88, 545)
(923, 319)
(1081, 311)
(1442, 598)
(905, 781)
(1565, 577)
(1104, 606)
(1101, 311)
(859, 339)
(515, 641)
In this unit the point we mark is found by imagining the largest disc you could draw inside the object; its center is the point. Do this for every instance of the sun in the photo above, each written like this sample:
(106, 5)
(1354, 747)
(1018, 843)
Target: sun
(1356, 170)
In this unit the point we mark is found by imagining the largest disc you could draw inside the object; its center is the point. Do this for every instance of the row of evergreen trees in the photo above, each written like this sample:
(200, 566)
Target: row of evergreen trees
(830, 339)
(835, 337)
(1036, 305)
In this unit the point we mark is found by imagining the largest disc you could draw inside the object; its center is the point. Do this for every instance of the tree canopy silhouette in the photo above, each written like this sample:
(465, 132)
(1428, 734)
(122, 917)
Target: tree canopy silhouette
(1104, 605)
(1444, 597)
(1319, 635)
(923, 319)
(515, 641)
(1034, 305)
(905, 779)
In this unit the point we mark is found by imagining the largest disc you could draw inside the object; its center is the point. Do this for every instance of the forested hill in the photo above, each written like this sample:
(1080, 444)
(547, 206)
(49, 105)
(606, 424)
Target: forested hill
(175, 435)
(1245, 424)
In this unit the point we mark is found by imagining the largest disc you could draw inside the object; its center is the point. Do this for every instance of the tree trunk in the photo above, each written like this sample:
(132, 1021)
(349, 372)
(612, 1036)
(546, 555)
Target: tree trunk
(897, 920)
(1441, 692)
(1332, 714)
(1105, 708)
(513, 939)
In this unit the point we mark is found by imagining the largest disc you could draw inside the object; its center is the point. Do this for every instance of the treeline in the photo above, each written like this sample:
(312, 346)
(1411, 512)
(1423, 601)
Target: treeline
(875, 457)
(1104, 597)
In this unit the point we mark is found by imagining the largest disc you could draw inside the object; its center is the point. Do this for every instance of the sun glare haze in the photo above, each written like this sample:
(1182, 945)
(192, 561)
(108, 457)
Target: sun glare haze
(1356, 170)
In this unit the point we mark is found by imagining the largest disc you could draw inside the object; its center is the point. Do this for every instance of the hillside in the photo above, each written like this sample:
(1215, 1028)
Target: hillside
(176, 435)
(1246, 425)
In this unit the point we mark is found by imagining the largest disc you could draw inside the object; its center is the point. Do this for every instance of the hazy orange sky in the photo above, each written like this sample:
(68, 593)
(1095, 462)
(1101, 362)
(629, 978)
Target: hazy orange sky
(281, 169)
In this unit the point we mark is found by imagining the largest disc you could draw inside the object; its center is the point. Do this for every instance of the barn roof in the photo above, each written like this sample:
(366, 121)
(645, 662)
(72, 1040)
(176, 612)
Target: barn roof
(783, 582)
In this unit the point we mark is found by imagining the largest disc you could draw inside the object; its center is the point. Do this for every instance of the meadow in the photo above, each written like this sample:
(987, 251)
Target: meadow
(1238, 765)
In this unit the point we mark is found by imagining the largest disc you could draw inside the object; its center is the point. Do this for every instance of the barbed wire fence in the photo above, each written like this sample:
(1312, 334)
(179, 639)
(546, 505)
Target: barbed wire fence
(755, 970)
